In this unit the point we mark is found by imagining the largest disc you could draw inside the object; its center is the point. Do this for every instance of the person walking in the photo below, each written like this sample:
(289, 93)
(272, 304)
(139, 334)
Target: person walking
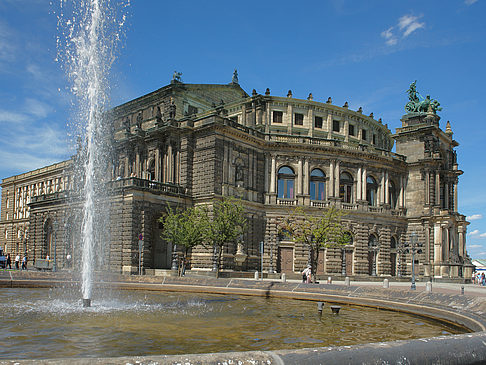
(17, 261)
(24, 262)
(9, 262)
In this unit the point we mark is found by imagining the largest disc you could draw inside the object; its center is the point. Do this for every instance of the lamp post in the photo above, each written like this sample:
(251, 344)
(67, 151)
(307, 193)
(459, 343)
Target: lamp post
(413, 247)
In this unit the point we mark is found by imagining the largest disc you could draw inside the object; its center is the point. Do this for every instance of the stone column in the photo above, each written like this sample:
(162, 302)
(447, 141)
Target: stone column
(437, 188)
(446, 195)
(358, 184)
(455, 197)
(265, 181)
(290, 118)
(306, 177)
(330, 187)
(462, 243)
(329, 125)
(137, 164)
(157, 164)
(337, 176)
(310, 121)
(346, 130)
(401, 197)
(387, 187)
(243, 114)
(437, 243)
(427, 187)
(300, 179)
(170, 164)
(363, 193)
(272, 175)
(177, 166)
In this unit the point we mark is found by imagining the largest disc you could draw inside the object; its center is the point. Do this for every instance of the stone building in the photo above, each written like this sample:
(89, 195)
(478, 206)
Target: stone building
(188, 144)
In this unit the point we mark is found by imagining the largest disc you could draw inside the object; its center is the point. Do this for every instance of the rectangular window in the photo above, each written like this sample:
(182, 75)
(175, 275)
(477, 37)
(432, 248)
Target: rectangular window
(363, 135)
(298, 119)
(335, 126)
(374, 138)
(351, 130)
(318, 122)
(277, 116)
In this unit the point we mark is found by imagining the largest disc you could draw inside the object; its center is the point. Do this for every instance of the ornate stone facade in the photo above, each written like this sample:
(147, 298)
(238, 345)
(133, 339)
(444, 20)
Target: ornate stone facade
(189, 144)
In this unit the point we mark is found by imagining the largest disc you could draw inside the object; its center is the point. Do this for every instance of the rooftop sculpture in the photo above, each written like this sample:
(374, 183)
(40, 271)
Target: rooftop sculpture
(419, 104)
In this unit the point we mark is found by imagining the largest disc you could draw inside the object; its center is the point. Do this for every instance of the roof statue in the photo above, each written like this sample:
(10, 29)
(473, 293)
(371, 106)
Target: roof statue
(176, 77)
(419, 104)
(234, 80)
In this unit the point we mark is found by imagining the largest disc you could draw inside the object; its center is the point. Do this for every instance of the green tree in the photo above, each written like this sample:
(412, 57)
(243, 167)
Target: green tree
(184, 228)
(225, 224)
(315, 231)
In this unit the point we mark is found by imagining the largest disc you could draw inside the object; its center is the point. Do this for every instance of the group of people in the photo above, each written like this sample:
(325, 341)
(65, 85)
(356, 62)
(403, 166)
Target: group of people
(18, 263)
(479, 278)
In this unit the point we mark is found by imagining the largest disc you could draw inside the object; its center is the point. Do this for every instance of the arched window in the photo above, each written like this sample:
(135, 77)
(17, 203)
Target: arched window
(285, 187)
(392, 195)
(317, 185)
(371, 188)
(346, 187)
(393, 243)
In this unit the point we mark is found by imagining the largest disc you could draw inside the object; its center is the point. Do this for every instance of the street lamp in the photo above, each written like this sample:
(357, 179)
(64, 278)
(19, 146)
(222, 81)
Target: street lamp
(413, 247)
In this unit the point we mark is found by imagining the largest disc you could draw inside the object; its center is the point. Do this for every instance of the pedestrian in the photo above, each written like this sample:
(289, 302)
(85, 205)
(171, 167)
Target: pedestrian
(17, 261)
(473, 277)
(306, 274)
(483, 279)
(24, 262)
(9, 262)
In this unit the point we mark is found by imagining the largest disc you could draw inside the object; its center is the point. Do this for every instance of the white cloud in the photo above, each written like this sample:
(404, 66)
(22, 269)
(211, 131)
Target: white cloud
(409, 24)
(12, 117)
(390, 39)
(474, 246)
(469, 2)
(37, 108)
(474, 217)
(477, 234)
(7, 47)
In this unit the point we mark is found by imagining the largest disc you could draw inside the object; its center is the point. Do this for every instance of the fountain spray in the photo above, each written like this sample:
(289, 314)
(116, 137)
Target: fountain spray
(87, 46)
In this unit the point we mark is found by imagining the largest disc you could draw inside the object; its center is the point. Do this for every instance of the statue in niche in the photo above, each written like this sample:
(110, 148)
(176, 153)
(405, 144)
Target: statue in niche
(139, 120)
(158, 114)
(126, 124)
(239, 173)
(171, 110)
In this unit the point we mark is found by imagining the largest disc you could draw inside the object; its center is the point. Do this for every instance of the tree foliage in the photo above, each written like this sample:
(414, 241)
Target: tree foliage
(315, 231)
(184, 228)
(225, 224)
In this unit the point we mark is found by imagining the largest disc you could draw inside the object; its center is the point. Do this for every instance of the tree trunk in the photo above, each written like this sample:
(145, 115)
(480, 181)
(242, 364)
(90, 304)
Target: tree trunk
(314, 261)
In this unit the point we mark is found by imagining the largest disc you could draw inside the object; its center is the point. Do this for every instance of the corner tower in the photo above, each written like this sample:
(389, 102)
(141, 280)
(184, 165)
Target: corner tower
(431, 191)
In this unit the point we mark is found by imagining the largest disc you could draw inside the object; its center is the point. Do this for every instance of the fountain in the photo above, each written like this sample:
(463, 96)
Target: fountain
(90, 34)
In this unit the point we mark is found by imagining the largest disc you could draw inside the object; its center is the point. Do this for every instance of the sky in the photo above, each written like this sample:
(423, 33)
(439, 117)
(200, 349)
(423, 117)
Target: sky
(364, 52)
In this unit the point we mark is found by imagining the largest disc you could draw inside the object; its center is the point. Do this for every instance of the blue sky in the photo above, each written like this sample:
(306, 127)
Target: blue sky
(363, 52)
